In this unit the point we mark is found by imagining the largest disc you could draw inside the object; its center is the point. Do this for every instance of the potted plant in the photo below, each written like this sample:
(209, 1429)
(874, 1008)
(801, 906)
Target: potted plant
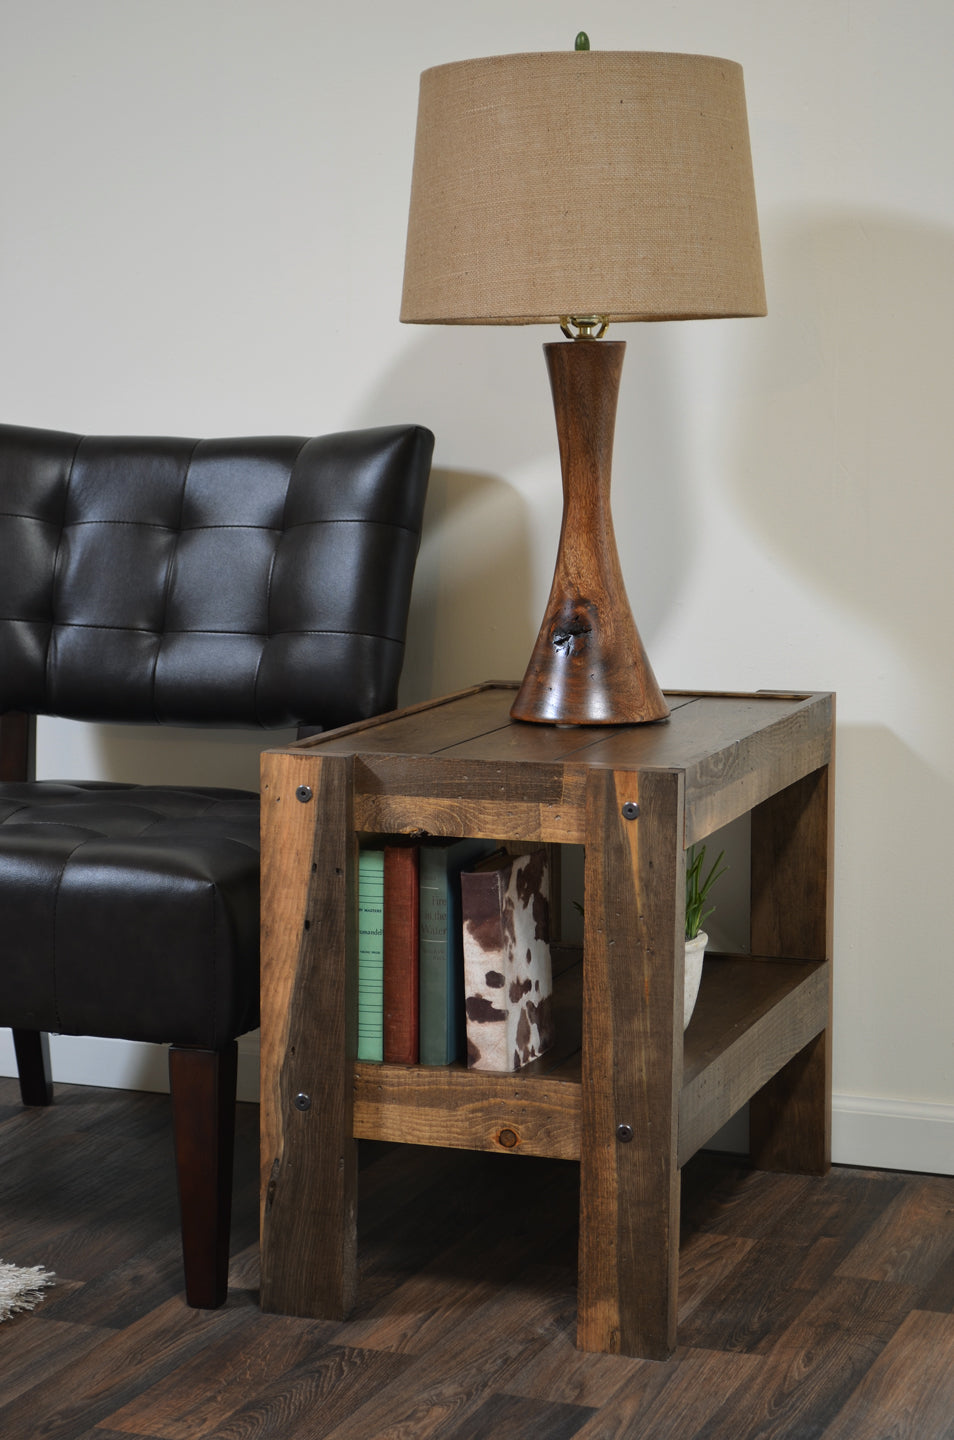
(698, 886)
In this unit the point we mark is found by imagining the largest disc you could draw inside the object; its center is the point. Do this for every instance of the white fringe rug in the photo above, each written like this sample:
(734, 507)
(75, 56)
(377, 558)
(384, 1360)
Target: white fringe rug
(22, 1289)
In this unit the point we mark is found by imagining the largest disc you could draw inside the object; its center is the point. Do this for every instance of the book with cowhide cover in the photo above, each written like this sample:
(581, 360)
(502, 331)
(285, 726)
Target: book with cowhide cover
(508, 981)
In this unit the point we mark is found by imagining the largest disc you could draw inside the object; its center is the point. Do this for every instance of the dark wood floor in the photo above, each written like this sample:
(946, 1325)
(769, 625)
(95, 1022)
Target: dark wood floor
(808, 1307)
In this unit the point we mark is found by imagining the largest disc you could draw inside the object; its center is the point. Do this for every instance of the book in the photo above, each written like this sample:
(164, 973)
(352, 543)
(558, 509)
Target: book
(441, 980)
(508, 978)
(401, 953)
(371, 954)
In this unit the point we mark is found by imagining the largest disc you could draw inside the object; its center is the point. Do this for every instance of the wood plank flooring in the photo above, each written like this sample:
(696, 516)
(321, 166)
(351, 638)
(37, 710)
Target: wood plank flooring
(809, 1308)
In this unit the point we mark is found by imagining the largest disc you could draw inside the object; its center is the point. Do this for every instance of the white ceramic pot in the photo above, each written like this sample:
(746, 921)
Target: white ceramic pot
(695, 954)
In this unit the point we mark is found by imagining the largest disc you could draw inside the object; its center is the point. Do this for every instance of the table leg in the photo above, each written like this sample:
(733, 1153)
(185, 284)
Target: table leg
(633, 964)
(790, 1117)
(309, 914)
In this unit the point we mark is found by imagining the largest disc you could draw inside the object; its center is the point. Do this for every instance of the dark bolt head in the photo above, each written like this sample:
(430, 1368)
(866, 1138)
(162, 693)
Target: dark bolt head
(624, 1133)
(303, 793)
(630, 810)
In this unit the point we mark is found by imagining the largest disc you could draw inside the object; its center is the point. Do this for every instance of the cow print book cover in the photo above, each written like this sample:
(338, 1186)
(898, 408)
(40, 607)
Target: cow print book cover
(508, 979)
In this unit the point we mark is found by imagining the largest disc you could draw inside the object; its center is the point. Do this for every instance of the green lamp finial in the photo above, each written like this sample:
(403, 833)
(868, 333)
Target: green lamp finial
(582, 41)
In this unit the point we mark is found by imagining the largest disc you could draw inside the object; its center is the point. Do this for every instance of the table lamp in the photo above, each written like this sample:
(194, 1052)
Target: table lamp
(581, 188)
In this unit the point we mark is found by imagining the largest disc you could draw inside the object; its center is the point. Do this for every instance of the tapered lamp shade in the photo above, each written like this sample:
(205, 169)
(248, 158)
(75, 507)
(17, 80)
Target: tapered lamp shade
(605, 183)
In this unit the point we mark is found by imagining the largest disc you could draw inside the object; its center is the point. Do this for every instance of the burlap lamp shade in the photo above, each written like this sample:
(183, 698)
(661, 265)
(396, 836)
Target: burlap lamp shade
(600, 183)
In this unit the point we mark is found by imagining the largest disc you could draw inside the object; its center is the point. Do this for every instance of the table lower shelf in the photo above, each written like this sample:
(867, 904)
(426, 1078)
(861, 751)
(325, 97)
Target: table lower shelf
(752, 1016)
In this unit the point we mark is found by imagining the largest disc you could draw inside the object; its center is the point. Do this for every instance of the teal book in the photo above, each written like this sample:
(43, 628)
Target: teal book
(371, 955)
(441, 979)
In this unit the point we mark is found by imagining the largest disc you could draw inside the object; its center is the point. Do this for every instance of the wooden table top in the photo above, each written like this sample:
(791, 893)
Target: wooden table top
(475, 724)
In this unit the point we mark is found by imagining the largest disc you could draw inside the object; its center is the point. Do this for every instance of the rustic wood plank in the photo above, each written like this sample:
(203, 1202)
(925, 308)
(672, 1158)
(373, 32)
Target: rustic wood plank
(735, 751)
(703, 731)
(538, 744)
(468, 1110)
(748, 1029)
(680, 697)
(792, 910)
(416, 814)
(423, 729)
(792, 897)
(411, 795)
(478, 727)
(720, 789)
(633, 973)
(735, 993)
(288, 845)
(309, 1013)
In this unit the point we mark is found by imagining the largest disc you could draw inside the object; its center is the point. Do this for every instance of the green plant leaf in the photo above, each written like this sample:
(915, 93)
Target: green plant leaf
(697, 888)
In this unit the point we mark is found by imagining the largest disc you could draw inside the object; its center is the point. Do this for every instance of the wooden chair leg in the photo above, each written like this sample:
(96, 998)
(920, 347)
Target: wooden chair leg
(203, 1084)
(32, 1049)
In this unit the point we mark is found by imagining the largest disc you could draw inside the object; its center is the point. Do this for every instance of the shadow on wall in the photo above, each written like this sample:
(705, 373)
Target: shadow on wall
(489, 542)
(471, 607)
(153, 754)
(893, 994)
(846, 452)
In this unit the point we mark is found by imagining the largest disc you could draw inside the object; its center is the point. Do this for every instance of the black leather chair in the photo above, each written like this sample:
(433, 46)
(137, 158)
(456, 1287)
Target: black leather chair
(255, 582)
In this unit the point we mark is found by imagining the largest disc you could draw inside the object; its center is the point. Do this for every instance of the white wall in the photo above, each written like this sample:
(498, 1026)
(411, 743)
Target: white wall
(201, 231)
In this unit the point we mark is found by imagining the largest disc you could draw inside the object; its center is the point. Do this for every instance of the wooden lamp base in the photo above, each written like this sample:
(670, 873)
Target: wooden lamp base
(588, 665)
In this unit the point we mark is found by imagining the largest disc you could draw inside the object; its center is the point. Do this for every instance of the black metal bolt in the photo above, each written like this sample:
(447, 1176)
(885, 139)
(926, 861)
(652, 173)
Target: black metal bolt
(302, 1102)
(303, 793)
(624, 1133)
(630, 810)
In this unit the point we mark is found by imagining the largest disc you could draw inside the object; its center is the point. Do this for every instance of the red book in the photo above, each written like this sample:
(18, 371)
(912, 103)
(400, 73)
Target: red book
(401, 952)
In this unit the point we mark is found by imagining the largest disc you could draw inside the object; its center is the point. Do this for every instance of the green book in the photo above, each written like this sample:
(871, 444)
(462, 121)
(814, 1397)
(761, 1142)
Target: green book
(442, 1029)
(371, 955)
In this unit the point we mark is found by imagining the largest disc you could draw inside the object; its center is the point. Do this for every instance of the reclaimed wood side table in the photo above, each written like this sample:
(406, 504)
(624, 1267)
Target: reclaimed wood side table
(625, 1093)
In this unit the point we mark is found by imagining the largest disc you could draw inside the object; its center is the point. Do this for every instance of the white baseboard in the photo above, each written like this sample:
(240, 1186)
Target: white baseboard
(124, 1064)
(866, 1131)
(893, 1134)
(873, 1133)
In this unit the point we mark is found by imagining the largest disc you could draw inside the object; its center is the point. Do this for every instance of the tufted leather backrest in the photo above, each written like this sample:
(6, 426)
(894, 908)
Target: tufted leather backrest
(256, 582)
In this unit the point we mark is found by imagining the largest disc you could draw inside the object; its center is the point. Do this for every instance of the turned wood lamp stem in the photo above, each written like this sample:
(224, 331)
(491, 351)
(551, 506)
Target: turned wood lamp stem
(588, 666)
